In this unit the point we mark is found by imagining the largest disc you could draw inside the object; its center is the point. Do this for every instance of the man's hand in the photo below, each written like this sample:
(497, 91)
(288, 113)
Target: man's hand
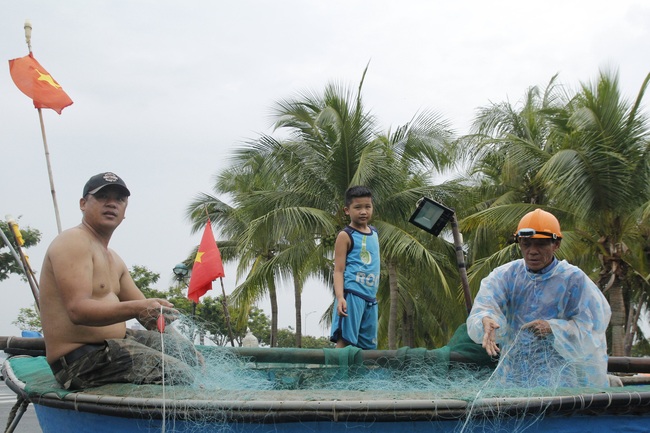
(489, 337)
(148, 317)
(342, 307)
(540, 328)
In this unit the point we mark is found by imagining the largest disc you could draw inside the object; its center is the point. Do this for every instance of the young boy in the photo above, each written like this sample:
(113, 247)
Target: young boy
(356, 275)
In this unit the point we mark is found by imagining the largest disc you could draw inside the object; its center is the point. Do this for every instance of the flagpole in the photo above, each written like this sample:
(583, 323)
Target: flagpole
(225, 298)
(226, 313)
(28, 39)
(49, 171)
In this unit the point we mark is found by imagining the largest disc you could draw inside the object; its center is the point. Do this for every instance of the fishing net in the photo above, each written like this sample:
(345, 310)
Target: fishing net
(457, 383)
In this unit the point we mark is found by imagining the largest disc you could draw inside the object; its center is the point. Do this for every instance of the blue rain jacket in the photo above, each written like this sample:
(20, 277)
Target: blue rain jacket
(568, 300)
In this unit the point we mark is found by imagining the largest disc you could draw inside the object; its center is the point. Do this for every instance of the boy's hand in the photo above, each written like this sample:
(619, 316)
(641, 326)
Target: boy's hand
(342, 307)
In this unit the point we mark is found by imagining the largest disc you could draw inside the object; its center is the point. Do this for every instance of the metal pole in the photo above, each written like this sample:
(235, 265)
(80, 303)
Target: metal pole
(306, 317)
(460, 258)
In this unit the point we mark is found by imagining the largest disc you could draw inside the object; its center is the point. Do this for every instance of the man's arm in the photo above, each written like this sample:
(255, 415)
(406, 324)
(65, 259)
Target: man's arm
(73, 268)
(582, 332)
(487, 312)
(489, 342)
(129, 291)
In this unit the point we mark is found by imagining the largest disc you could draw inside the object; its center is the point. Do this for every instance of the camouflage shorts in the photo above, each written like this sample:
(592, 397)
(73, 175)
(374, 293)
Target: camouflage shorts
(136, 358)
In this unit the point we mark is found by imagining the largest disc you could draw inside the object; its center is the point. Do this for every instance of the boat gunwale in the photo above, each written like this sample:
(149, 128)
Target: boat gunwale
(270, 411)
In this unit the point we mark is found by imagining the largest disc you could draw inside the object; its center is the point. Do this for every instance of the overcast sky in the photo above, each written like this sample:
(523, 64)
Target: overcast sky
(164, 90)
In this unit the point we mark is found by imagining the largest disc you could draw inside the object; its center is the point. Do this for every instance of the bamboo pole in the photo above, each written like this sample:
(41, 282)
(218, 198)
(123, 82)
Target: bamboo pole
(49, 171)
(28, 39)
(29, 273)
(12, 250)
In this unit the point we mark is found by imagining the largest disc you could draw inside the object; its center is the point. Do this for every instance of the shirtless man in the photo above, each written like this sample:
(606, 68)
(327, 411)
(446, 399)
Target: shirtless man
(87, 295)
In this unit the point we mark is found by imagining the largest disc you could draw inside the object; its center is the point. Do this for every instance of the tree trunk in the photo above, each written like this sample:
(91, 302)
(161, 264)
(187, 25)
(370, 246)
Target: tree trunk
(394, 301)
(408, 323)
(612, 277)
(297, 301)
(274, 313)
(632, 324)
(617, 322)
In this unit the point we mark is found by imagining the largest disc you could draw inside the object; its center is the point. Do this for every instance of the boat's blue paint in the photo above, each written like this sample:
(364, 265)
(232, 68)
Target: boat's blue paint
(53, 420)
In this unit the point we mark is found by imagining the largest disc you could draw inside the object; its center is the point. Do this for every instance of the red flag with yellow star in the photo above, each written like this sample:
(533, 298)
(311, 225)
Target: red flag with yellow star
(207, 266)
(34, 81)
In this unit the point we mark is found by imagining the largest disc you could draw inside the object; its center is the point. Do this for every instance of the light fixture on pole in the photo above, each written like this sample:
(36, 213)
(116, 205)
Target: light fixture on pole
(181, 271)
(432, 217)
(306, 316)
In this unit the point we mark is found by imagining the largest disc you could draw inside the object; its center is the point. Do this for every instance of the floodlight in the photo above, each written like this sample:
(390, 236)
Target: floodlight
(431, 216)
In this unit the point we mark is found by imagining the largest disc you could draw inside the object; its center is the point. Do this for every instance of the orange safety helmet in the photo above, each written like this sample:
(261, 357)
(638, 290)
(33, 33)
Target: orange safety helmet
(539, 224)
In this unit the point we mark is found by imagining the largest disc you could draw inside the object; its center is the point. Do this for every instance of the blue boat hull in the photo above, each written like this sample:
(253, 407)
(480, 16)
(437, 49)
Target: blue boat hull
(54, 420)
(152, 408)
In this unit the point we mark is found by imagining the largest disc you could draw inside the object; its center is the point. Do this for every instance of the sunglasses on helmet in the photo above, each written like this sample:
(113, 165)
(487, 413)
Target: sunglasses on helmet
(529, 233)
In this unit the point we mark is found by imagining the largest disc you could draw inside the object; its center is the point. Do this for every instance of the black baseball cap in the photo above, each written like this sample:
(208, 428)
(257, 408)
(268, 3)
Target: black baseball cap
(101, 180)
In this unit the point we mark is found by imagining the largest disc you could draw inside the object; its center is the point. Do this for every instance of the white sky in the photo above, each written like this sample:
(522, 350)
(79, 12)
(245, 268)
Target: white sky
(164, 90)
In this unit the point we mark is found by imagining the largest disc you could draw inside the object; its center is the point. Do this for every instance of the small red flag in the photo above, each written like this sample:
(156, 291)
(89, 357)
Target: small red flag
(207, 266)
(34, 81)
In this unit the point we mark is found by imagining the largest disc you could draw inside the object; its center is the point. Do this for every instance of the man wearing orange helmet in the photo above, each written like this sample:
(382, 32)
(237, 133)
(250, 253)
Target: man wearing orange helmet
(540, 300)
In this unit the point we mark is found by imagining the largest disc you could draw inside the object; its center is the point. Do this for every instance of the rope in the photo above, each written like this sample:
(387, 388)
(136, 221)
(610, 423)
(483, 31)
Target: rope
(16, 414)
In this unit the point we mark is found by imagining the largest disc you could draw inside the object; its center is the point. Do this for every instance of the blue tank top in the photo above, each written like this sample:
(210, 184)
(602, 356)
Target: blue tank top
(362, 264)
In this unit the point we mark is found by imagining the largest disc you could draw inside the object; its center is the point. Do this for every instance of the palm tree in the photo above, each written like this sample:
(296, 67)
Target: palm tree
(253, 253)
(289, 192)
(328, 136)
(601, 175)
(585, 159)
(418, 150)
(334, 145)
(506, 149)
